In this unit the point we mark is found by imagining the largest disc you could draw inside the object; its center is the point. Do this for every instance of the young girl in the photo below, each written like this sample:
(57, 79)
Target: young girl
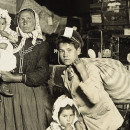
(7, 59)
(85, 80)
(65, 115)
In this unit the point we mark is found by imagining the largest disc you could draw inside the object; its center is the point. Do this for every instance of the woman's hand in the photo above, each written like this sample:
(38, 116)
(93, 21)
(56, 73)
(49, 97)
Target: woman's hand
(9, 77)
(79, 65)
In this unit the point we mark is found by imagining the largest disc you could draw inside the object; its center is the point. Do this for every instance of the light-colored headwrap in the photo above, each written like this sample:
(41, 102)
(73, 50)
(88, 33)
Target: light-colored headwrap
(36, 33)
(62, 101)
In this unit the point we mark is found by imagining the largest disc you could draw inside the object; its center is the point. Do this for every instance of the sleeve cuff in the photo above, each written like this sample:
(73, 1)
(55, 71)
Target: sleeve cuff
(23, 78)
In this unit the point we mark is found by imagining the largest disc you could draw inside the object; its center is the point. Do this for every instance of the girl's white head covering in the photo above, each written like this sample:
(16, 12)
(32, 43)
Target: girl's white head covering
(4, 14)
(36, 33)
(62, 101)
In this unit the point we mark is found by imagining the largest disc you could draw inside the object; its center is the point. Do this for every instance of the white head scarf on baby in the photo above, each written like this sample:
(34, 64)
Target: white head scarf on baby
(62, 101)
(36, 33)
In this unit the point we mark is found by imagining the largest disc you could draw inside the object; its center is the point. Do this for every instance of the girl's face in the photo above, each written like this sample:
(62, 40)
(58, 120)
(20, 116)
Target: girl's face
(27, 21)
(2, 24)
(66, 117)
(68, 53)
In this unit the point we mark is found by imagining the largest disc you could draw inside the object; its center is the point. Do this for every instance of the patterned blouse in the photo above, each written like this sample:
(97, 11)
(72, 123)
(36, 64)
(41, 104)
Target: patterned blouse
(32, 60)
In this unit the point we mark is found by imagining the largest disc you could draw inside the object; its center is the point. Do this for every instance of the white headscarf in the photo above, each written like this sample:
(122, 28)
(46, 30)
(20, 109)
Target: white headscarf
(62, 101)
(36, 33)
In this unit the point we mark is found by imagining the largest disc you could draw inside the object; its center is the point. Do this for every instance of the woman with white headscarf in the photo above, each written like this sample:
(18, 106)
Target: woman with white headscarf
(30, 107)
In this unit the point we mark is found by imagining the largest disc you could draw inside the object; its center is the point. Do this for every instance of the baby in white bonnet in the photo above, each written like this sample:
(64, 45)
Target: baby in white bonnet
(7, 38)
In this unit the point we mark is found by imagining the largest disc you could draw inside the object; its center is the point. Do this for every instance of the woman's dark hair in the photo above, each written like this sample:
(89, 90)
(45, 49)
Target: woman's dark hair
(67, 107)
(27, 9)
(66, 40)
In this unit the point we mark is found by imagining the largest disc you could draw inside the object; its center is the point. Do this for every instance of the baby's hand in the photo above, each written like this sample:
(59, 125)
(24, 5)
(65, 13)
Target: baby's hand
(4, 34)
(79, 65)
(68, 127)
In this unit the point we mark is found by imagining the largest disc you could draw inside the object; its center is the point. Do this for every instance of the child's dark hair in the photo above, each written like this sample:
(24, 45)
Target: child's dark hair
(67, 107)
(66, 40)
(75, 39)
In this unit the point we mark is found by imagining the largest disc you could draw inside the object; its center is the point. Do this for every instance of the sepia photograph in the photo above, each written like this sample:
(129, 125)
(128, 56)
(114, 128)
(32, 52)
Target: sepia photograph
(64, 64)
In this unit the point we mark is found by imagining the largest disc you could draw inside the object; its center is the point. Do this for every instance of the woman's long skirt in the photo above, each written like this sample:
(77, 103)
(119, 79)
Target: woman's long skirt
(29, 109)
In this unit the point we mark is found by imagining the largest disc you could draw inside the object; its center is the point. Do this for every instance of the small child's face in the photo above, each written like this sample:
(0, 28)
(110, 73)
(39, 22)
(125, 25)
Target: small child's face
(2, 24)
(68, 53)
(66, 117)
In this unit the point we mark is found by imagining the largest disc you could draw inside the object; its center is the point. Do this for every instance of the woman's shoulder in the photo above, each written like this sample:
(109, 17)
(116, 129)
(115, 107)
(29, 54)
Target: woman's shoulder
(39, 44)
(41, 41)
(42, 47)
(42, 44)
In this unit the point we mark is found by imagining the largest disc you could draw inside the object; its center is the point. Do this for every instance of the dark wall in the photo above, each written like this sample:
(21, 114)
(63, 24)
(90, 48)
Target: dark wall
(13, 22)
(67, 7)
